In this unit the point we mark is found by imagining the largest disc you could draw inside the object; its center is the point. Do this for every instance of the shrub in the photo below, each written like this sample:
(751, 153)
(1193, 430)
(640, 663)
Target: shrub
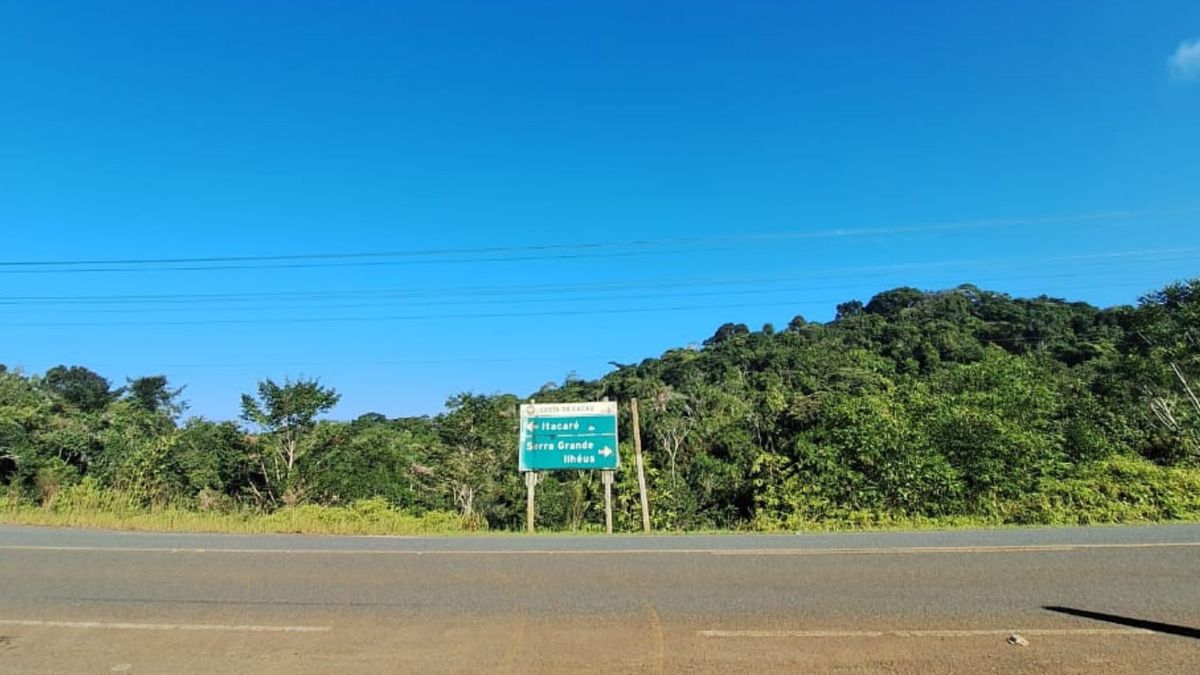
(1120, 489)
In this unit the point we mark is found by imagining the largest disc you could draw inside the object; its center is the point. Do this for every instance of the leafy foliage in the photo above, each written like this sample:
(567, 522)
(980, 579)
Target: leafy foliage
(152, 394)
(79, 387)
(286, 412)
(911, 407)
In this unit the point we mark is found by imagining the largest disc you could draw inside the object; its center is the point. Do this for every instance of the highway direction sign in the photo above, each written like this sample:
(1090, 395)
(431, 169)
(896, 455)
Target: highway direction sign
(568, 436)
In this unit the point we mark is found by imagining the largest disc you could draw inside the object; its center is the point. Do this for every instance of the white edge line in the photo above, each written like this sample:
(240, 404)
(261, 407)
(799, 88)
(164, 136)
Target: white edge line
(1035, 632)
(917, 550)
(240, 628)
(922, 550)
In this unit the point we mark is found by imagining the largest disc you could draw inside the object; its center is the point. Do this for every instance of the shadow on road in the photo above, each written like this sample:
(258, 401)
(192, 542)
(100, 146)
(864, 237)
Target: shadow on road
(1157, 627)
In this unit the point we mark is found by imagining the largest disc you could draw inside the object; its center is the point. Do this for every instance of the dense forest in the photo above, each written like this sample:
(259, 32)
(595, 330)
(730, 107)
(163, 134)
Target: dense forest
(916, 406)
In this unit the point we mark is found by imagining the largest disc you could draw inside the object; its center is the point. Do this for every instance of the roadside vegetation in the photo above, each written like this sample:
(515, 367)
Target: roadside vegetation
(915, 409)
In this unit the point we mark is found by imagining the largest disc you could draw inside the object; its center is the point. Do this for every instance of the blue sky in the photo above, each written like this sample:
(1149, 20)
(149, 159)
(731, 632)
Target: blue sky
(773, 159)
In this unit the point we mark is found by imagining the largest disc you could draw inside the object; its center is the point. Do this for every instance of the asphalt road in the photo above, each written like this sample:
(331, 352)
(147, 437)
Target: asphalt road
(1107, 600)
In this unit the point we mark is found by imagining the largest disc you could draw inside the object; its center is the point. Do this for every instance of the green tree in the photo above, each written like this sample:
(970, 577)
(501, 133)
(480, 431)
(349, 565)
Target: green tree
(80, 387)
(154, 394)
(285, 413)
(478, 461)
(212, 460)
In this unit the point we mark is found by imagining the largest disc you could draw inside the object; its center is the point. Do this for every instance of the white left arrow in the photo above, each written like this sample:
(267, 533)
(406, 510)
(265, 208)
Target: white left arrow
(531, 426)
(605, 451)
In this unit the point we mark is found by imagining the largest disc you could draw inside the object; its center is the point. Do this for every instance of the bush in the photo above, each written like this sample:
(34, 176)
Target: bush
(1120, 489)
(368, 516)
(88, 505)
(53, 476)
(88, 496)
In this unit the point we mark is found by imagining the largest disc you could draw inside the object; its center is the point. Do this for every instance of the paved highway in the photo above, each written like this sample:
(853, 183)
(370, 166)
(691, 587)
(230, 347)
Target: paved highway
(1107, 600)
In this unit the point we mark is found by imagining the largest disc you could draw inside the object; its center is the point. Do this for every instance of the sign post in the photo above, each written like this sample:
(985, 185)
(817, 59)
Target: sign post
(641, 471)
(531, 481)
(557, 436)
(607, 478)
(580, 436)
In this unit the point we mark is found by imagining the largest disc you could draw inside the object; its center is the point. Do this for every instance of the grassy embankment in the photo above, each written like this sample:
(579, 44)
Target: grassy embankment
(1120, 490)
(86, 505)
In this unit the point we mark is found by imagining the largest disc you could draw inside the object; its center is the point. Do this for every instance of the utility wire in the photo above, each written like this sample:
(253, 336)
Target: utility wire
(491, 300)
(406, 317)
(1124, 257)
(554, 250)
(374, 263)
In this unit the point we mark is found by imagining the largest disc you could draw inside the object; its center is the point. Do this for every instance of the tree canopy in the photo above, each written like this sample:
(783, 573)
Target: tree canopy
(914, 404)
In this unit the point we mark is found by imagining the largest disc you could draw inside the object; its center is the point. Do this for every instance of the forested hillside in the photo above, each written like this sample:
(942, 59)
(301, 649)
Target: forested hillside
(917, 405)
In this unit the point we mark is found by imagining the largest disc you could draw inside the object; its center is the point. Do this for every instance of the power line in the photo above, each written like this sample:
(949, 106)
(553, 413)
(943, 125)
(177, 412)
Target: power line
(493, 300)
(1150, 255)
(376, 263)
(540, 251)
(329, 364)
(410, 317)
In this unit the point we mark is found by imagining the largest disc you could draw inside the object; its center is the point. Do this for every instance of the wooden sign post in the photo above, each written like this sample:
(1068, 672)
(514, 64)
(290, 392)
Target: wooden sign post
(580, 436)
(531, 481)
(641, 470)
(607, 478)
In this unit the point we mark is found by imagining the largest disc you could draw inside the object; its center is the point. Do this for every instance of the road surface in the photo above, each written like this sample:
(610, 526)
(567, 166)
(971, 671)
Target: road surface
(1103, 600)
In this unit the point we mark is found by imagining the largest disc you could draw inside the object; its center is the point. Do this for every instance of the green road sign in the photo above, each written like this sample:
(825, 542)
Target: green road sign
(568, 436)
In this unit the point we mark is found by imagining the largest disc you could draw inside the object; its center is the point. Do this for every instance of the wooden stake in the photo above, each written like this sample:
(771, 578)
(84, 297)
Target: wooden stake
(607, 478)
(641, 469)
(531, 481)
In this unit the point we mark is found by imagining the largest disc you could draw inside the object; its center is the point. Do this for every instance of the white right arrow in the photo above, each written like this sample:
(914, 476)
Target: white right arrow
(605, 451)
